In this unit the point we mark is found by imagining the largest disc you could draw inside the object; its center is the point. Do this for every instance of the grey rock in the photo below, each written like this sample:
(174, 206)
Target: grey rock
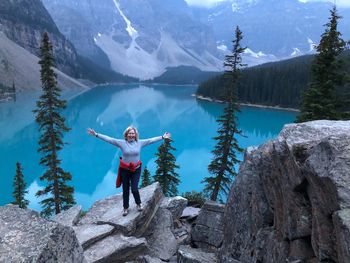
(207, 232)
(117, 248)
(34, 239)
(175, 205)
(190, 212)
(341, 221)
(300, 249)
(146, 259)
(109, 211)
(23, 32)
(89, 234)
(213, 206)
(69, 217)
(281, 204)
(186, 254)
(161, 240)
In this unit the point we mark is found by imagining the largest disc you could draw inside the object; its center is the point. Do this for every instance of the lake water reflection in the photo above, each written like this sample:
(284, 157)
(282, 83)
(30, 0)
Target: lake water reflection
(153, 109)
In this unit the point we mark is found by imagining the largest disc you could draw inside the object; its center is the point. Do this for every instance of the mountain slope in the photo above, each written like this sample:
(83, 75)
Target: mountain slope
(24, 21)
(20, 67)
(143, 38)
(272, 29)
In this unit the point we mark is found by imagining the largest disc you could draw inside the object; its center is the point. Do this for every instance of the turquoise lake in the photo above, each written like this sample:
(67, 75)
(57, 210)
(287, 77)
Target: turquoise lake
(153, 109)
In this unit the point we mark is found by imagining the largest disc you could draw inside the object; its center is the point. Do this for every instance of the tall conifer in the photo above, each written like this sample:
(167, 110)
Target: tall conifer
(166, 165)
(224, 154)
(146, 178)
(320, 100)
(19, 187)
(57, 194)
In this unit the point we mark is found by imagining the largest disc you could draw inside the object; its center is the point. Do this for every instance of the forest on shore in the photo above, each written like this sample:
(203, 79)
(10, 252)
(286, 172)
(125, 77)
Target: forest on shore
(273, 84)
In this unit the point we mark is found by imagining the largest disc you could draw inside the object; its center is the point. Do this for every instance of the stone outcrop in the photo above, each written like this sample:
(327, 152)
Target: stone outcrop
(187, 254)
(152, 235)
(69, 217)
(291, 199)
(207, 232)
(26, 237)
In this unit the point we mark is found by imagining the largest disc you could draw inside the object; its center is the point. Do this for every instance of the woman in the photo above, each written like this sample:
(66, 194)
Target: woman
(130, 164)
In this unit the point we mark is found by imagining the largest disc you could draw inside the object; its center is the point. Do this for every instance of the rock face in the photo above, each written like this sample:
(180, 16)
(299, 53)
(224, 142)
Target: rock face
(24, 22)
(186, 254)
(291, 198)
(26, 237)
(207, 233)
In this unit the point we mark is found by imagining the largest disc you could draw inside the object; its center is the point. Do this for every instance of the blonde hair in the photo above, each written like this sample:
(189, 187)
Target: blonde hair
(129, 129)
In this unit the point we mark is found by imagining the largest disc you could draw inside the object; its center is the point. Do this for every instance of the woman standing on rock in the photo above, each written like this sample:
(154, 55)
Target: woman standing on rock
(130, 164)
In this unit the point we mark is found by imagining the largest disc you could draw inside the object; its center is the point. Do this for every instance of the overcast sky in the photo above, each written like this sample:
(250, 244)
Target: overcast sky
(208, 3)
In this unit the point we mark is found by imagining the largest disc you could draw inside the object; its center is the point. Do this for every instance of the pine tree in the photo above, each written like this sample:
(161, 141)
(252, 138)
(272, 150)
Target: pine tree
(320, 100)
(224, 154)
(146, 178)
(166, 165)
(19, 187)
(13, 91)
(58, 195)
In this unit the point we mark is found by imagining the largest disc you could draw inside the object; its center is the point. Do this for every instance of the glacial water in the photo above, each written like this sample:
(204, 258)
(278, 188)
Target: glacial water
(153, 109)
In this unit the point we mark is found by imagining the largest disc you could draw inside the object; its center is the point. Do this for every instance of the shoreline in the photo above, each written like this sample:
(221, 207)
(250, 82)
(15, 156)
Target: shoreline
(246, 104)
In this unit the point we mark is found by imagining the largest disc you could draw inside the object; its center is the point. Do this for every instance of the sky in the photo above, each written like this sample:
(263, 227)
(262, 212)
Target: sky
(208, 3)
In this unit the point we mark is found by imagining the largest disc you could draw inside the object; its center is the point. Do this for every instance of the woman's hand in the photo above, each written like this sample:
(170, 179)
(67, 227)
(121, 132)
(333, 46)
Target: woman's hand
(91, 132)
(166, 135)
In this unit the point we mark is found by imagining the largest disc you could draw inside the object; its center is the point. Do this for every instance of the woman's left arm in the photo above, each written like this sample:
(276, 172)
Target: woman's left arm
(149, 141)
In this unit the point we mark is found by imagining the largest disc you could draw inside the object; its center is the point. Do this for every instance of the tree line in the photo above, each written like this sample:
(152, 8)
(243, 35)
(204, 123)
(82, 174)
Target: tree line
(273, 84)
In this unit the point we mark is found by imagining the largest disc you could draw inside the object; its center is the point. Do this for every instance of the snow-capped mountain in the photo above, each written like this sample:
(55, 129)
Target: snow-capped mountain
(140, 37)
(272, 29)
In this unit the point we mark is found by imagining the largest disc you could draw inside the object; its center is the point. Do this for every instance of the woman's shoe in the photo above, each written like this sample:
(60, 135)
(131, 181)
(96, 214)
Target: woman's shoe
(139, 207)
(125, 212)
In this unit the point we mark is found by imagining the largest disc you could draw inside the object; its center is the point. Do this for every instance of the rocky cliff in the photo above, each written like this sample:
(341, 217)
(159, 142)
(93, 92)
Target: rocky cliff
(291, 199)
(24, 21)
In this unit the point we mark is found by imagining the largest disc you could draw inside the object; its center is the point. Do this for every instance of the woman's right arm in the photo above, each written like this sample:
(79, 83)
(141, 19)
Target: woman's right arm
(116, 142)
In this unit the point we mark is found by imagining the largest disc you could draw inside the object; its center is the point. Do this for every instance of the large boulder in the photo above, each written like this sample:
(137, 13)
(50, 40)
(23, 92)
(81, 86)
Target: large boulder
(115, 248)
(161, 240)
(207, 232)
(290, 199)
(69, 217)
(187, 254)
(109, 211)
(26, 237)
(89, 234)
(175, 205)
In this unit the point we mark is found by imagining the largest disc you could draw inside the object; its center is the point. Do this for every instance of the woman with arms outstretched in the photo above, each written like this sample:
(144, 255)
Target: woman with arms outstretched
(130, 163)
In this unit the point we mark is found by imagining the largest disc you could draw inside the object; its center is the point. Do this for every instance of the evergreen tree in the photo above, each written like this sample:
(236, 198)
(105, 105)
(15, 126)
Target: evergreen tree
(320, 100)
(165, 173)
(19, 187)
(222, 164)
(146, 178)
(13, 91)
(58, 195)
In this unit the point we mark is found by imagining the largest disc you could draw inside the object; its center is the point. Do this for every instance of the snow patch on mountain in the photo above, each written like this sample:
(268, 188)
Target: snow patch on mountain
(250, 52)
(136, 62)
(129, 28)
(296, 52)
(222, 47)
(312, 44)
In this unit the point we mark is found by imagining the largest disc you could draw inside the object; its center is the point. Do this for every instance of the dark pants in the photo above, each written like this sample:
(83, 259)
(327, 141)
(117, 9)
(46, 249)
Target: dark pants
(132, 178)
